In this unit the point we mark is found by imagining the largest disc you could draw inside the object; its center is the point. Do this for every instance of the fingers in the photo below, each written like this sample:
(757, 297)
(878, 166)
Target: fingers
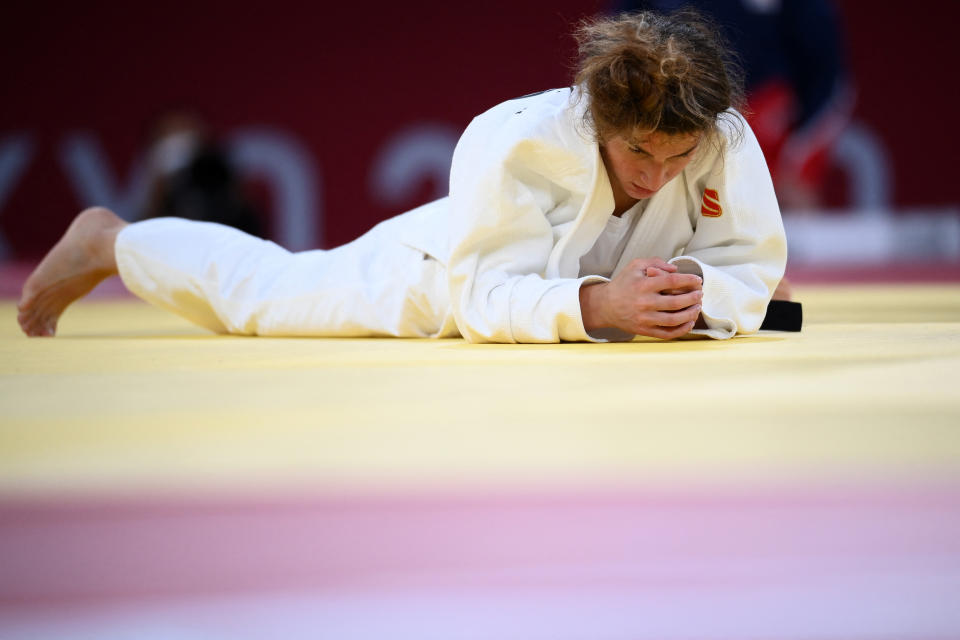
(667, 319)
(671, 283)
(642, 264)
(671, 324)
(678, 301)
(657, 263)
(666, 324)
(667, 333)
(783, 291)
(653, 272)
(651, 298)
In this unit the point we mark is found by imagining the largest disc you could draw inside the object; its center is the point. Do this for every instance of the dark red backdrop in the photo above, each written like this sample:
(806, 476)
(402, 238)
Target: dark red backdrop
(342, 80)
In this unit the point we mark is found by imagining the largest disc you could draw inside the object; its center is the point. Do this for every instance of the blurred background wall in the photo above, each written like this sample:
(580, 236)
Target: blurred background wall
(333, 116)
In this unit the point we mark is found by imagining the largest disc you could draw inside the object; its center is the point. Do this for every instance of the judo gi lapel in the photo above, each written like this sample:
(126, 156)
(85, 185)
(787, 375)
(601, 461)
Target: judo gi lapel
(664, 209)
(597, 205)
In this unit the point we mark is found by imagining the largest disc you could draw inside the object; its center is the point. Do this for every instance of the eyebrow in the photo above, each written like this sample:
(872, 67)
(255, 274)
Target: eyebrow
(679, 155)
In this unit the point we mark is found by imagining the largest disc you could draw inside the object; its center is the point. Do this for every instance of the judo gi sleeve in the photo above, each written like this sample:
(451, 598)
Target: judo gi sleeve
(501, 240)
(739, 246)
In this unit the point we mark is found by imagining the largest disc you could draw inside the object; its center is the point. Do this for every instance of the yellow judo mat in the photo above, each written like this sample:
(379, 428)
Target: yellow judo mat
(159, 481)
(131, 397)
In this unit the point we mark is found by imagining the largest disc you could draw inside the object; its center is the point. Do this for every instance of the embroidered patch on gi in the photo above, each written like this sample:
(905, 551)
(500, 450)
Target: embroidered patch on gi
(710, 206)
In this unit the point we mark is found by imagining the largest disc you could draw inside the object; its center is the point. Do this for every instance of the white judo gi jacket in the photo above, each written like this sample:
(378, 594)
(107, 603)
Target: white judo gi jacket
(529, 196)
(498, 260)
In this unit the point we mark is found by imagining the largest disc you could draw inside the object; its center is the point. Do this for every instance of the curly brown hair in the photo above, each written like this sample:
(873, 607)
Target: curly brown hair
(646, 71)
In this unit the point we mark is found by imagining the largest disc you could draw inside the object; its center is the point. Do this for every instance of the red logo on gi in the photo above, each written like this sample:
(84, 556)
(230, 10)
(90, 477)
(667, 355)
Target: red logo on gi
(710, 206)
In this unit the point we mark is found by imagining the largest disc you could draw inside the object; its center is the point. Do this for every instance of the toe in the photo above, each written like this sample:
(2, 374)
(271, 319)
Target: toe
(23, 320)
(31, 324)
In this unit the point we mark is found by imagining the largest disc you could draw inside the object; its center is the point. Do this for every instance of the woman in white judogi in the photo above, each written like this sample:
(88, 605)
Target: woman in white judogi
(636, 202)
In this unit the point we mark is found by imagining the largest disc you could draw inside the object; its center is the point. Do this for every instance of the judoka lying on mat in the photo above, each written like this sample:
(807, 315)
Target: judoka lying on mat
(636, 202)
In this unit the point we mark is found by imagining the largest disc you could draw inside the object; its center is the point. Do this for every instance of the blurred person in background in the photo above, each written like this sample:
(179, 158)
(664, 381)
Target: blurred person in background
(799, 95)
(191, 177)
(636, 202)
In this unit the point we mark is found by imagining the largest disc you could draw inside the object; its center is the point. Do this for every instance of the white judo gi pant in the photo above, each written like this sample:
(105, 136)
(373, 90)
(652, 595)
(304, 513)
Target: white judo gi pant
(231, 282)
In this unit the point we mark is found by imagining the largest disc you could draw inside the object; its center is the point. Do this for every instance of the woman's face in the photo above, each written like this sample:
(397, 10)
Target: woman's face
(640, 165)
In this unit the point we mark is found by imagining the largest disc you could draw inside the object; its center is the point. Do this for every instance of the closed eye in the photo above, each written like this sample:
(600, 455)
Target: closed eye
(638, 150)
(680, 156)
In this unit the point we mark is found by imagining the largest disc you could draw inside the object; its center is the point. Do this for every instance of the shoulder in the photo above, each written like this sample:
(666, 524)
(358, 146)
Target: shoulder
(732, 166)
(551, 115)
(550, 102)
(536, 129)
(732, 145)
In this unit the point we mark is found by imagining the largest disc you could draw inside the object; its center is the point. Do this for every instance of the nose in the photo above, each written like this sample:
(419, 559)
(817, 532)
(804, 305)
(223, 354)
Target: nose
(654, 177)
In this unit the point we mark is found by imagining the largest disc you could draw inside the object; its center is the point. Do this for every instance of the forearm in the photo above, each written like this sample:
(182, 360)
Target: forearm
(593, 305)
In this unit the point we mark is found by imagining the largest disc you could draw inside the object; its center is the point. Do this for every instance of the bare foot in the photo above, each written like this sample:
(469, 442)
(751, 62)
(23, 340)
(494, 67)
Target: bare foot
(783, 291)
(77, 263)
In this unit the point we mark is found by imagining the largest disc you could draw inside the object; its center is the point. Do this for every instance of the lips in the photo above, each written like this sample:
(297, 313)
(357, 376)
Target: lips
(640, 192)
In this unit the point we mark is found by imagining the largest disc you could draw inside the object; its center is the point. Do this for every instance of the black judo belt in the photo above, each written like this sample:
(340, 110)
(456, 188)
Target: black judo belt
(783, 316)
